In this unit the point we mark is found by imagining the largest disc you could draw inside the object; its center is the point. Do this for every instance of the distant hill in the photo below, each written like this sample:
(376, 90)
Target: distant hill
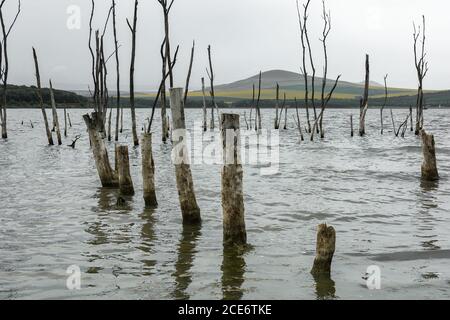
(293, 85)
(23, 96)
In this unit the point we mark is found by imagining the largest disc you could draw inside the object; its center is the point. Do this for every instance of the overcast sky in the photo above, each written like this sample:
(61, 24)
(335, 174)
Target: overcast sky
(246, 36)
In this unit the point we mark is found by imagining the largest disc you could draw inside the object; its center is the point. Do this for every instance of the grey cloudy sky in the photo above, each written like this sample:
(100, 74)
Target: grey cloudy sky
(246, 36)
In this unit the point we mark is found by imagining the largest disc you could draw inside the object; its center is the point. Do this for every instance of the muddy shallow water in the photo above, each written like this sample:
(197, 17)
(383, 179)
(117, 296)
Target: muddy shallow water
(53, 215)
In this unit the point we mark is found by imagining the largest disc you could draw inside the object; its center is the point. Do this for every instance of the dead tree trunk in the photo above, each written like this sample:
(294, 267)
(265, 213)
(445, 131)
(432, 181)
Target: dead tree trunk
(205, 112)
(285, 117)
(232, 187)
(108, 176)
(123, 165)
(364, 106)
(164, 124)
(258, 109)
(251, 107)
(185, 184)
(299, 126)
(4, 66)
(277, 126)
(304, 35)
(213, 98)
(148, 171)
(41, 101)
(325, 247)
(429, 166)
(384, 104)
(411, 118)
(116, 45)
(133, 59)
(188, 78)
(55, 114)
(422, 69)
(352, 133)
(65, 122)
(109, 124)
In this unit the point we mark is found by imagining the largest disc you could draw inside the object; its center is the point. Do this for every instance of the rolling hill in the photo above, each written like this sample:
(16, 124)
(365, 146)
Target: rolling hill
(293, 85)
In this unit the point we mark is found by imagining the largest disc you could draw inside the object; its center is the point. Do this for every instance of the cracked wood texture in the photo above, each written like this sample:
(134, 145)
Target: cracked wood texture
(148, 171)
(325, 247)
(185, 185)
(429, 166)
(234, 231)
(108, 176)
(123, 164)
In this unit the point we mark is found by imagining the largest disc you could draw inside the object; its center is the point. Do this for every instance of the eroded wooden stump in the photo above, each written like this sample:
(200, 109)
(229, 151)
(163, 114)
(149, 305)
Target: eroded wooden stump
(123, 163)
(234, 231)
(108, 176)
(148, 171)
(429, 166)
(325, 246)
(185, 185)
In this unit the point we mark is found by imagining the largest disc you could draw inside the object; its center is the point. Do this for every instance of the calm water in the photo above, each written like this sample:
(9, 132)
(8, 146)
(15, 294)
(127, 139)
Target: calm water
(53, 214)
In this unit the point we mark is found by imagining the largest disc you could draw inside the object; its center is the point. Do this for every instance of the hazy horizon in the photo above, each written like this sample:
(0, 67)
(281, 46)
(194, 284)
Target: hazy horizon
(246, 37)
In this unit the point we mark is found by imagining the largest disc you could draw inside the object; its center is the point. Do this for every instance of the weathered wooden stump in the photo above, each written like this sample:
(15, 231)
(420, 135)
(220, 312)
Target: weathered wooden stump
(326, 242)
(123, 163)
(429, 166)
(148, 171)
(185, 184)
(232, 187)
(108, 176)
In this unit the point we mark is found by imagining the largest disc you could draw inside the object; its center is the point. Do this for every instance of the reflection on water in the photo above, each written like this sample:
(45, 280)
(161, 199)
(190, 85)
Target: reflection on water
(325, 286)
(148, 238)
(425, 220)
(233, 272)
(186, 252)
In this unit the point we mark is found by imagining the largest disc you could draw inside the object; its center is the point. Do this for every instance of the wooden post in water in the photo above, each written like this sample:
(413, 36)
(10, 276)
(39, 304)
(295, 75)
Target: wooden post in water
(364, 104)
(185, 184)
(123, 163)
(411, 118)
(65, 122)
(55, 114)
(352, 133)
(429, 167)
(41, 101)
(205, 112)
(148, 171)
(108, 176)
(325, 247)
(232, 188)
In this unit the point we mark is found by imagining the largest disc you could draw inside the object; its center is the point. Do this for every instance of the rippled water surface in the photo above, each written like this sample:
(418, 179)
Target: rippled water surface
(53, 214)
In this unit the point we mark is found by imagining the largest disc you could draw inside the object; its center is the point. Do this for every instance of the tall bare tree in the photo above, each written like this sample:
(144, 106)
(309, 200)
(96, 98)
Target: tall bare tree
(4, 65)
(421, 65)
(303, 35)
(116, 46)
(188, 78)
(326, 31)
(167, 63)
(41, 101)
(133, 29)
(212, 93)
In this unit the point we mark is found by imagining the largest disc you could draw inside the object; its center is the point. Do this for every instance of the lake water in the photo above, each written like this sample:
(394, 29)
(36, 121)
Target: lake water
(53, 214)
